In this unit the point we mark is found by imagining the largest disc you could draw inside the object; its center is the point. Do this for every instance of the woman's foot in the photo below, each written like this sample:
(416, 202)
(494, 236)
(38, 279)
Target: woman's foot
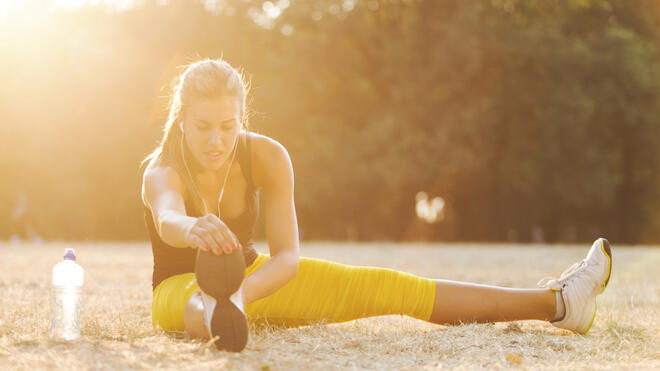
(208, 302)
(221, 277)
(578, 287)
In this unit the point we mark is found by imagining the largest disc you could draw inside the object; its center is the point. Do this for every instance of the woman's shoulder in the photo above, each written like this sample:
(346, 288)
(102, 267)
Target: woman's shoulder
(270, 159)
(263, 145)
(158, 177)
(156, 168)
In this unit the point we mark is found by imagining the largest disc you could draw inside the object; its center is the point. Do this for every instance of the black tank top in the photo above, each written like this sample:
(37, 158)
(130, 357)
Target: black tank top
(170, 261)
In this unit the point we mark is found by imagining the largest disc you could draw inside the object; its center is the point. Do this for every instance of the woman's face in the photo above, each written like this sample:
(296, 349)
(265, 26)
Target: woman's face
(211, 127)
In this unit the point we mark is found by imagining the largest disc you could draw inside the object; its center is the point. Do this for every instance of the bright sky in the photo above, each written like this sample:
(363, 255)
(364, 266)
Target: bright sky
(271, 9)
(7, 5)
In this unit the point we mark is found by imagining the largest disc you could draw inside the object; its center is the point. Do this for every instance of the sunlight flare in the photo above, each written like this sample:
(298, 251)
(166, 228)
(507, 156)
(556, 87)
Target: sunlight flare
(431, 211)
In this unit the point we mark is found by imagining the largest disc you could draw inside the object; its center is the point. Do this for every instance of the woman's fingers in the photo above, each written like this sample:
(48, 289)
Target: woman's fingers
(230, 241)
(230, 245)
(206, 238)
(199, 243)
(208, 242)
(215, 232)
(237, 243)
(212, 234)
(226, 239)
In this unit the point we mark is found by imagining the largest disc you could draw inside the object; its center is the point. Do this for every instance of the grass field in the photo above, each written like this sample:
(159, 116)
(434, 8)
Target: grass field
(117, 333)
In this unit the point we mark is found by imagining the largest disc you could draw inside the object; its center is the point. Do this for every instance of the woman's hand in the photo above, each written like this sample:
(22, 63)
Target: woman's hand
(209, 233)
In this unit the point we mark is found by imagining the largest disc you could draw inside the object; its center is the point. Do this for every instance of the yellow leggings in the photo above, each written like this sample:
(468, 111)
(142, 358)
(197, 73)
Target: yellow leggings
(321, 291)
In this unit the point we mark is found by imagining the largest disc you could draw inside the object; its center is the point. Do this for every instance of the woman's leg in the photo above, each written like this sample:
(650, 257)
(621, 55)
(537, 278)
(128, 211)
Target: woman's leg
(193, 317)
(461, 302)
(170, 300)
(453, 303)
(324, 291)
(332, 292)
(569, 301)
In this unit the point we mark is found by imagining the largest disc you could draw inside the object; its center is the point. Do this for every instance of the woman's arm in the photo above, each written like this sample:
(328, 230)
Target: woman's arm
(162, 193)
(272, 170)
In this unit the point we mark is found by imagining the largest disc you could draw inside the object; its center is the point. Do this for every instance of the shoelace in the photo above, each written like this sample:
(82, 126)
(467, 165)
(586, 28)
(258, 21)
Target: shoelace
(565, 277)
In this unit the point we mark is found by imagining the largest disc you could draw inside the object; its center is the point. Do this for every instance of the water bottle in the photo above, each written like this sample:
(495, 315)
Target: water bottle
(65, 298)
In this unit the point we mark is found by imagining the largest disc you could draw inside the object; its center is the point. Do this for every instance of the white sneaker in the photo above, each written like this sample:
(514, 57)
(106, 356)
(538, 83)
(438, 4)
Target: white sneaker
(580, 284)
(220, 277)
(209, 302)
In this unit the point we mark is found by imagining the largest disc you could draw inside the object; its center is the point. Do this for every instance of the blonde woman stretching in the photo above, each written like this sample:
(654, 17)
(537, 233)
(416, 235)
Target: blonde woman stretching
(200, 208)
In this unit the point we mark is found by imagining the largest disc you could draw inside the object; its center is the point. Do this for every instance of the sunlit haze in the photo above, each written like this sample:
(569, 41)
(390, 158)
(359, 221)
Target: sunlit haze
(416, 120)
(269, 9)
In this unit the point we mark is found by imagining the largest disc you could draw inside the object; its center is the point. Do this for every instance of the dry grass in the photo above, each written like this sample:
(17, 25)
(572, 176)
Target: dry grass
(117, 333)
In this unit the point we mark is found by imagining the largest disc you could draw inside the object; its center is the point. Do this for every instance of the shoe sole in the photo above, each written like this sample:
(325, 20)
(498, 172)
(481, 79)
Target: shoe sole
(230, 325)
(606, 249)
(220, 276)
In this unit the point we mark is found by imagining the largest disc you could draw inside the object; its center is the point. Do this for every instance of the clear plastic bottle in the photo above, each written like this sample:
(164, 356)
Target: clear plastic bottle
(66, 298)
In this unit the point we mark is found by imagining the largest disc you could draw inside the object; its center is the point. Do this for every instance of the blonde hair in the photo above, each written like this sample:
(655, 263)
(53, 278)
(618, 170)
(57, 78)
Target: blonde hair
(204, 79)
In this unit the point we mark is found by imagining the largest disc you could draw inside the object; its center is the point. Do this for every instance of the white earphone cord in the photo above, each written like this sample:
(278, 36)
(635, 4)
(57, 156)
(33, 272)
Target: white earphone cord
(192, 180)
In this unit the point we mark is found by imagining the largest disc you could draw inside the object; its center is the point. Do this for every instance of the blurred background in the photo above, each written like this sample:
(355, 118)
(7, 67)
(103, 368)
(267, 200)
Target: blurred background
(436, 120)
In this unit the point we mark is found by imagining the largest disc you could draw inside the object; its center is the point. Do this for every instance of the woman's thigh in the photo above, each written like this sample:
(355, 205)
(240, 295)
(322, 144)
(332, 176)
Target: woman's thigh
(169, 301)
(332, 292)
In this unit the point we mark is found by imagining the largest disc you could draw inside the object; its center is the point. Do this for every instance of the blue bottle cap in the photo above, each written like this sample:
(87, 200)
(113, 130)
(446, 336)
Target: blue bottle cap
(69, 254)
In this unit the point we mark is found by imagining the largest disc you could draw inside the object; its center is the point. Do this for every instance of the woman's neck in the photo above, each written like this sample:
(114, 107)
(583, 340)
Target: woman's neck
(210, 179)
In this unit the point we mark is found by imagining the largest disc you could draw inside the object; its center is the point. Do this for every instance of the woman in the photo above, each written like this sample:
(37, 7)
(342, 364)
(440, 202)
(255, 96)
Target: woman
(200, 208)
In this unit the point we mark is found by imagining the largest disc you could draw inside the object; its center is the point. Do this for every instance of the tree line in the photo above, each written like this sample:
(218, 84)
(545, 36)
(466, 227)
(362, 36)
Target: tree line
(531, 119)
